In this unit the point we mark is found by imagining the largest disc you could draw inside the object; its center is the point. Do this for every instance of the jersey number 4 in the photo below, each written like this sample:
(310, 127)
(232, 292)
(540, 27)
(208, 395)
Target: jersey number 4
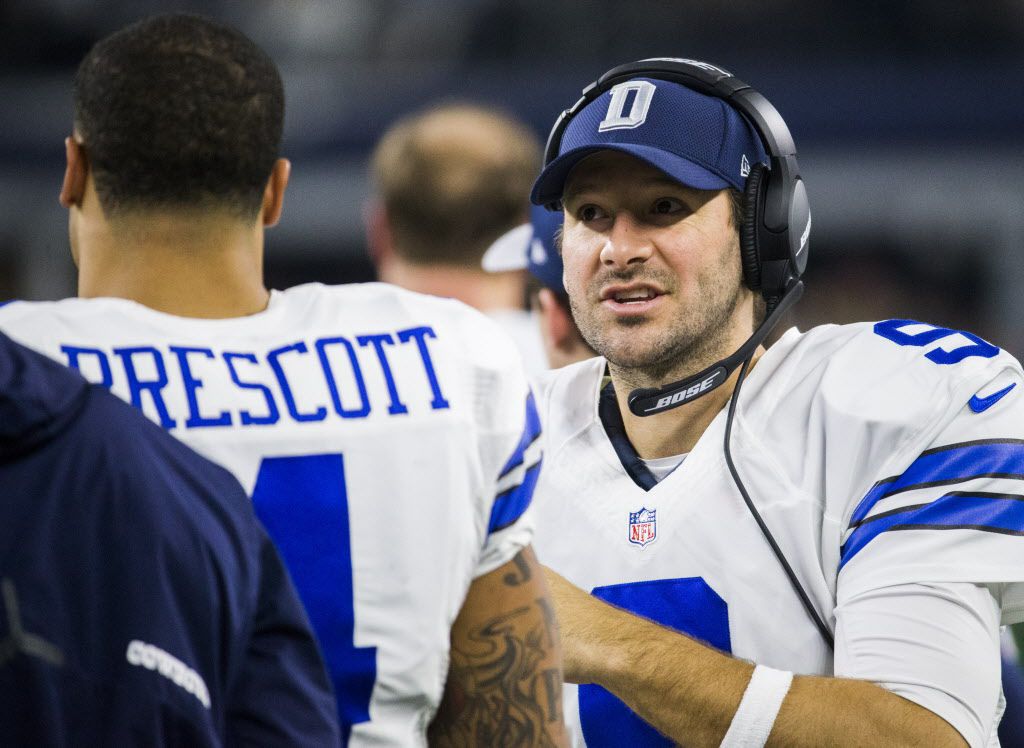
(304, 506)
(688, 605)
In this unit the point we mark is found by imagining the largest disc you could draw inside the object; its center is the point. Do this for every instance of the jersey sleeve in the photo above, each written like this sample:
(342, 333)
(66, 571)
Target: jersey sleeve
(931, 547)
(509, 444)
(955, 512)
(509, 527)
(934, 644)
(910, 438)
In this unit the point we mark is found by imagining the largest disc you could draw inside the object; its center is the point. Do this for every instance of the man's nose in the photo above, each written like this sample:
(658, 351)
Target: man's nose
(627, 242)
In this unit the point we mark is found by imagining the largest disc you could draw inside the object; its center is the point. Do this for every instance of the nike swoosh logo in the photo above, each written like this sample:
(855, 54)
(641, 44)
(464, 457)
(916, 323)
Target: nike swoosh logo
(981, 404)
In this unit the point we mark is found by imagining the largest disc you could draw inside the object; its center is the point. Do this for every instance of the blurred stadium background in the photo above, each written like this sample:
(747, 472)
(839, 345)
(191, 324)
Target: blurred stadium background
(908, 116)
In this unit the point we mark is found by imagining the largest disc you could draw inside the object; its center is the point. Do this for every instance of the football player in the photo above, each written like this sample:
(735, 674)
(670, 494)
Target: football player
(821, 556)
(388, 440)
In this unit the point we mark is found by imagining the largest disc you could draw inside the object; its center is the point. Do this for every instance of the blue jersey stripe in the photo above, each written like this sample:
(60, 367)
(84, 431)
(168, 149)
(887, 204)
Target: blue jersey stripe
(510, 505)
(531, 432)
(989, 512)
(988, 458)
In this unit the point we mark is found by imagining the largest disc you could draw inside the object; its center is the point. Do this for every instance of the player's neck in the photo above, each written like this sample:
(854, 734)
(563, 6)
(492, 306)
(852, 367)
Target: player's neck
(190, 267)
(479, 289)
(675, 431)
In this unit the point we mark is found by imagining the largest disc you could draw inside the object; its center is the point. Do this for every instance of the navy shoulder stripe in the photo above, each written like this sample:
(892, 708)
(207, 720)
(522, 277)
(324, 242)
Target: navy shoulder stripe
(510, 505)
(957, 510)
(531, 432)
(947, 465)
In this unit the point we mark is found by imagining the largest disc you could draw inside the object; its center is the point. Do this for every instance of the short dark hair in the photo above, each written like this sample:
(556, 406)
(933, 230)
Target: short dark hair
(177, 111)
(452, 180)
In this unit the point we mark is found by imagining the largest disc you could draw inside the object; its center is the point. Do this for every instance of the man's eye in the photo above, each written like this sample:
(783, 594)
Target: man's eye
(666, 206)
(589, 213)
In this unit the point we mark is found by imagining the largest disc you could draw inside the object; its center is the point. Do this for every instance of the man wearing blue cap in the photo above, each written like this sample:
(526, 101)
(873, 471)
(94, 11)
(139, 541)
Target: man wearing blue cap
(533, 247)
(852, 523)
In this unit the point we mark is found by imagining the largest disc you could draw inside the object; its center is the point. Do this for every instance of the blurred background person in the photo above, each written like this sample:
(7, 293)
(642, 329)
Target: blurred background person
(534, 247)
(448, 182)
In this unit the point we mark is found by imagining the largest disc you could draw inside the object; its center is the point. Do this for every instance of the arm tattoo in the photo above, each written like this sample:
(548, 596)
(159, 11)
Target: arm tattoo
(498, 693)
(512, 579)
(550, 626)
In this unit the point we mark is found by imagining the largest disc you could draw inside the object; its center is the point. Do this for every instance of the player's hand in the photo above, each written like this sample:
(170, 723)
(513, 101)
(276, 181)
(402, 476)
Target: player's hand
(584, 624)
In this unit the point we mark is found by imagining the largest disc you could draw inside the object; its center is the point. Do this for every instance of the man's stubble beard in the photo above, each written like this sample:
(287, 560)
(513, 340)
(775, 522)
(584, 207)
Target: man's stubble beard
(695, 339)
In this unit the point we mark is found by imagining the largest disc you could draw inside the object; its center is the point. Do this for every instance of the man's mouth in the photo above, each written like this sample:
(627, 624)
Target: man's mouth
(630, 295)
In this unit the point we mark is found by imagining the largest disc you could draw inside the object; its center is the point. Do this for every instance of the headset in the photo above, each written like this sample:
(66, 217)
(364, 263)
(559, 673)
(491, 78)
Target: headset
(773, 238)
(776, 214)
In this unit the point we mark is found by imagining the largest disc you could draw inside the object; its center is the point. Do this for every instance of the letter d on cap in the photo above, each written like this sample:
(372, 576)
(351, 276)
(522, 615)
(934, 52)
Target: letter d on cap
(617, 117)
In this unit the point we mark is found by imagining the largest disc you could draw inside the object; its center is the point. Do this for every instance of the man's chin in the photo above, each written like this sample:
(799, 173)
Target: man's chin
(650, 355)
(632, 321)
(634, 355)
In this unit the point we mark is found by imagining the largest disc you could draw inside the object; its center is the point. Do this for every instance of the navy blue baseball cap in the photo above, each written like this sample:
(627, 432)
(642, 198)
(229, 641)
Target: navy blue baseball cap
(532, 246)
(696, 139)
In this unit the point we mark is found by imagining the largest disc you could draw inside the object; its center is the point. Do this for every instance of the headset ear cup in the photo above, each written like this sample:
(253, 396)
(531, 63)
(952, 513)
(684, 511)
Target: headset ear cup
(749, 254)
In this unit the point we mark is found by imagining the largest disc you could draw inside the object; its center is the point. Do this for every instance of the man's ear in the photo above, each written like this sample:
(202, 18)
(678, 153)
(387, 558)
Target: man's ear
(76, 173)
(273, 193)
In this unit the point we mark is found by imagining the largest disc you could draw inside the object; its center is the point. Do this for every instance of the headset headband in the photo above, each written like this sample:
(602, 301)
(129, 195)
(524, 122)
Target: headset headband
(700, 76)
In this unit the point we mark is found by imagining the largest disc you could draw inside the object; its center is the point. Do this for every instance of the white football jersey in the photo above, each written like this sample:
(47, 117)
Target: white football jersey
(886, 459)
(523, 328)
(388, 439)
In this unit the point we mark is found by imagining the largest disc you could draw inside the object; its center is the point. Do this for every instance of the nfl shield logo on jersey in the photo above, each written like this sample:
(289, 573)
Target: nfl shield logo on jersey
(643, 527)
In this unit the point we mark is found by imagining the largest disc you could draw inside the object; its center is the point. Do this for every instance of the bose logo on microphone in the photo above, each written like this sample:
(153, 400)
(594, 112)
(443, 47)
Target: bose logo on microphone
(690, 392)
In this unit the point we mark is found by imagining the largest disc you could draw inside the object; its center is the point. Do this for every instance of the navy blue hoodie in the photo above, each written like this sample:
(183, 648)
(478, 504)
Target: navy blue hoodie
(141, 603)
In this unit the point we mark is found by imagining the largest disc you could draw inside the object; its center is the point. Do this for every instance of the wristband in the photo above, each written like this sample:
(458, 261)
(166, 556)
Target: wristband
(758, 708)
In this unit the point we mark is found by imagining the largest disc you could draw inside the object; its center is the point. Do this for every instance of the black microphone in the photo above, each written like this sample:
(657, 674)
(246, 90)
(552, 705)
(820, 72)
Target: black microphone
(650, 401)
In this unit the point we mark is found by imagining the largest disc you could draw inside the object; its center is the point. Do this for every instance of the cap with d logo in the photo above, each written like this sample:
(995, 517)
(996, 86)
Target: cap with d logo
(697, 140)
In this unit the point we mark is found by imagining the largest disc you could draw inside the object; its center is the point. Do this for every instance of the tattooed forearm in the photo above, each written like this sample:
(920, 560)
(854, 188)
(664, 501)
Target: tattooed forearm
(550, 625)
(553, 687)
(499, 691)
(521, 575)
